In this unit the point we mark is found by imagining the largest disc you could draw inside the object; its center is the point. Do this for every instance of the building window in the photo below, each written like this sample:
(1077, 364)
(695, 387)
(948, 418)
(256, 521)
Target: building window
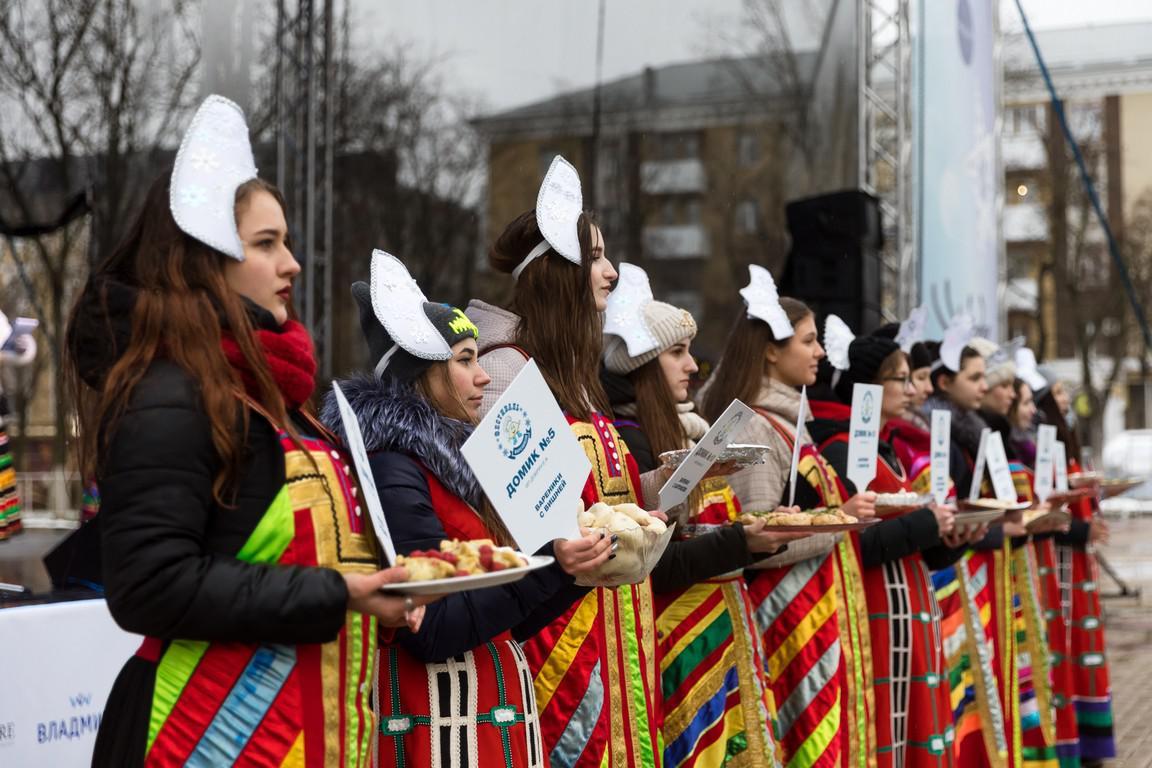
(1085, 119)
(692, 211)
(747, 149)
(690, 300)
(1025, 119)
(678, 146)
(747, 217)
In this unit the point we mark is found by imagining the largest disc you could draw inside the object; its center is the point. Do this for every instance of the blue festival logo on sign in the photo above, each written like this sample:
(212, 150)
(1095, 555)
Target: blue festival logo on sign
(513, 430)
(867, 408)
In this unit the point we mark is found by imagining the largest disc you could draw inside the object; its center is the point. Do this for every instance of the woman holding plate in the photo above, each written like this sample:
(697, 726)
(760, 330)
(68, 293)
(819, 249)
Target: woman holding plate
(1089, 696)
(809, 600)
(232, 539)
(595, 667)
(976, 594)
(462, 671)
(913, 709)
(716, 696)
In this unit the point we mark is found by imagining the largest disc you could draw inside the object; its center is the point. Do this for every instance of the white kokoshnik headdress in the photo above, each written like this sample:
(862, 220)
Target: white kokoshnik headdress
(559, 204)
(1029, 371)
(837, 338)
(956, 336)
(214, 159)
(399, 305)
(624, 316)
(912, 330)
(763, 301)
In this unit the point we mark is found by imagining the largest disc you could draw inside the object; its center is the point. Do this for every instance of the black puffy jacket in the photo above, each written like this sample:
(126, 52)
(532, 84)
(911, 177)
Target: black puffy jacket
(169, 550)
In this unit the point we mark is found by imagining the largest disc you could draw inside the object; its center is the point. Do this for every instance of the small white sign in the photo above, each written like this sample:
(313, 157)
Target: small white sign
(529, 463)
(864, 434)
(796, 446)
(941, 453)
(359, 453)
(1060, 462)
(978, 469)
(998, 468)
(1045, 446)
(701, 458)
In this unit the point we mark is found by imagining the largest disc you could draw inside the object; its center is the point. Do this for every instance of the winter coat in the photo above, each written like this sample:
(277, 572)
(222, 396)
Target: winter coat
(411, 445)
(173, 564)
(168, 548)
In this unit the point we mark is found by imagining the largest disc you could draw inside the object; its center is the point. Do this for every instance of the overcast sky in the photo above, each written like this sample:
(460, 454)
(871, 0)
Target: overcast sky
(512, 52)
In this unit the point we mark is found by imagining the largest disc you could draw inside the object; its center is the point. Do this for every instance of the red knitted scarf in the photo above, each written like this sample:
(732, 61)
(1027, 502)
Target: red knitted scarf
(290, 359)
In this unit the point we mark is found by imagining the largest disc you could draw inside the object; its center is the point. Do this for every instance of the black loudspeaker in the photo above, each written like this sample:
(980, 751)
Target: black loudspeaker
(834, 262)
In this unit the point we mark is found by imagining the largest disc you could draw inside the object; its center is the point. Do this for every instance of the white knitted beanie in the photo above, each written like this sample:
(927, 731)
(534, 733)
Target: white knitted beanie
(669, 325)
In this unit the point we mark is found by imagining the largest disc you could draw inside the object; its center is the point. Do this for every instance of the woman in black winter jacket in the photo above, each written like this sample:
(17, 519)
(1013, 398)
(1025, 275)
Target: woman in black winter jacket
(415, 411)
(231, 535)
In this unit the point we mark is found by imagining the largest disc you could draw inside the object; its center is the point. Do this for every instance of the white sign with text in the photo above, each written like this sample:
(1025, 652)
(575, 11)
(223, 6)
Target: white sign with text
(1002, 484)
(529, 463)
(978, 469)
(355, 440)
(1045, 447)
(864, 434)
(941, 453)
(1060, 462)
(701, 458)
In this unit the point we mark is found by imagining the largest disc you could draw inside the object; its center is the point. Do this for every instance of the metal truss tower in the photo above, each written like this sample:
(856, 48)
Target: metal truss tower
(885, 135)
(305, 98)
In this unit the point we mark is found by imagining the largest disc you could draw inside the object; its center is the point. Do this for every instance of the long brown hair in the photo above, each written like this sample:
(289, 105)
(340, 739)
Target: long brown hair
(740, 374)
(182, 303)
(453, 407)
(656, 410)
(1047, 406)
(559, 325)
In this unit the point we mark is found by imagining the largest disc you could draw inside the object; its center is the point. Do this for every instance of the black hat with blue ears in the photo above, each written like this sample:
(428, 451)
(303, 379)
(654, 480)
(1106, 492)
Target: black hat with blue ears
(405, 332)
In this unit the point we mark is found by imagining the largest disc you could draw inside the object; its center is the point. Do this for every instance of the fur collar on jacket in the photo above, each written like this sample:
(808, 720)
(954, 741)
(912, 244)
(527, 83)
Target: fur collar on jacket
(394, 417)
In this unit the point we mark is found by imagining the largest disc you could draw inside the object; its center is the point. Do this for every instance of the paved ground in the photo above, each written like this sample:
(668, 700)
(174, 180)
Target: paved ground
(1129, 625)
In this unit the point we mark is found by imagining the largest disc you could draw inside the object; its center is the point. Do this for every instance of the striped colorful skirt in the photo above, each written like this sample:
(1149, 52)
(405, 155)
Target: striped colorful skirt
(716, 698)
(1092, 690)
(964, 593)
(595, 677)
(814, 628)
(476, 710)
(1057, 615)
(1037, 711)
(913, 714)
(9, 499)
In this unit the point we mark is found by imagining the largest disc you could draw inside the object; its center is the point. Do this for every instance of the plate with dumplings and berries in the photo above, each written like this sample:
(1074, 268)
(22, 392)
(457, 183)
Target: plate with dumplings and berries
(459, 566)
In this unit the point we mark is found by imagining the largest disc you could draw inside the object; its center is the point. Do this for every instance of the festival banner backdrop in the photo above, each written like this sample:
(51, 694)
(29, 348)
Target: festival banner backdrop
(960, 183)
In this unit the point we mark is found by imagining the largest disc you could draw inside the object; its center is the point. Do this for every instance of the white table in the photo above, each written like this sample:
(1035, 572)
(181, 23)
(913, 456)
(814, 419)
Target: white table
(57, 665)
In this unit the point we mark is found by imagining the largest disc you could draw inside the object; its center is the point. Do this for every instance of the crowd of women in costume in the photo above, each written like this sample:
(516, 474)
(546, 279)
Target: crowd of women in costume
(234, 538)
